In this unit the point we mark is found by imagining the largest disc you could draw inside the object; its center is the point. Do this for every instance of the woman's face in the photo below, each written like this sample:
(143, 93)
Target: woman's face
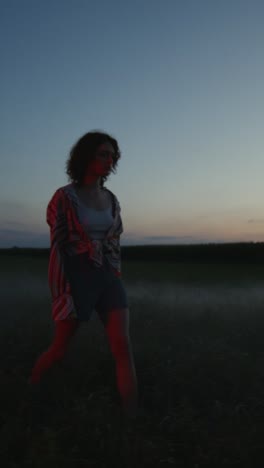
(103, 161)
(105, 155)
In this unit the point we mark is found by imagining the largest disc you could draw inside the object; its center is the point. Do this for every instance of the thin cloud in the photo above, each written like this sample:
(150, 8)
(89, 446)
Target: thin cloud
(256, 221)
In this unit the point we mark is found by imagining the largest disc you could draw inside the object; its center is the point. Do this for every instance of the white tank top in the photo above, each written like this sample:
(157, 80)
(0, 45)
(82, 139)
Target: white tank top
(95, 222)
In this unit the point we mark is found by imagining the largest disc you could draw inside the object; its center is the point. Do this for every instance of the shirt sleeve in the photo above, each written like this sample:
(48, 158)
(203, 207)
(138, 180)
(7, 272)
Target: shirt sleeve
(57, 220)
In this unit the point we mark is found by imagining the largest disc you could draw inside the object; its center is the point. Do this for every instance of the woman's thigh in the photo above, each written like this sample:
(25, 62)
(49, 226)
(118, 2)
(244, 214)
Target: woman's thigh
(112, 298)
(86, 284)
(64, 331)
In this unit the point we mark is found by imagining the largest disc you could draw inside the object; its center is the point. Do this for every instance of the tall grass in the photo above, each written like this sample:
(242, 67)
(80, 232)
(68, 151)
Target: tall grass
(199, 355)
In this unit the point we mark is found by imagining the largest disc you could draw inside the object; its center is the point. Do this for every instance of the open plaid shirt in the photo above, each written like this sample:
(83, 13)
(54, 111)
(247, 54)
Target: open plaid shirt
(68, 237)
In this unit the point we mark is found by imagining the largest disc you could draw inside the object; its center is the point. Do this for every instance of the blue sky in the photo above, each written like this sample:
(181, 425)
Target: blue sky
(179, 84)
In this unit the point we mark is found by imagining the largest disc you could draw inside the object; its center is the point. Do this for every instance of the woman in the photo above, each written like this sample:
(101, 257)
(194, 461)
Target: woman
(85, 262)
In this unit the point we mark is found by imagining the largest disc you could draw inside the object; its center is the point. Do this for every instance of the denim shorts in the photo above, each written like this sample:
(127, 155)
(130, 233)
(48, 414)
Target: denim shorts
(93, 287)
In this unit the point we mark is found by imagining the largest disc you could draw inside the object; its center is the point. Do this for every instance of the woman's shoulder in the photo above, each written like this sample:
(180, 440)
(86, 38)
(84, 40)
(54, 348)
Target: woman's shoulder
(65, 191)
(61, 190)
(59, 195)
(113, 197)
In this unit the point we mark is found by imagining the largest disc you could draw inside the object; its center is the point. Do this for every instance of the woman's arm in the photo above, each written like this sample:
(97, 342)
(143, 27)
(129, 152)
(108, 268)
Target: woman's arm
(57, 220)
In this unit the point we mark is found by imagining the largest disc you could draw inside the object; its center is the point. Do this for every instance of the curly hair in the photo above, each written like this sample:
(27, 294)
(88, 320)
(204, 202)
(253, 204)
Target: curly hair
(83, 151)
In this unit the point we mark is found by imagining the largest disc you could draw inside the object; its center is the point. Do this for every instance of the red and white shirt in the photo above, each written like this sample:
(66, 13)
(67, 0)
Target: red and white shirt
(68, 237)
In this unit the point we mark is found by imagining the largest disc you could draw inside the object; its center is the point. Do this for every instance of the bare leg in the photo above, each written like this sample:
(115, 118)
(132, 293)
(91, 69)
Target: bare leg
(117, 330)
(64, 330)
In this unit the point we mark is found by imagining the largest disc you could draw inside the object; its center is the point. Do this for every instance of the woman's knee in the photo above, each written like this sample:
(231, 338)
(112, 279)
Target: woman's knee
(58, 353)
(120, 345)
(66, 327)
(64, 331)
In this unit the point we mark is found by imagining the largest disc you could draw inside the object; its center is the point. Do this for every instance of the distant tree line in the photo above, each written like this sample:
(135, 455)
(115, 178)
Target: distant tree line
(242, 252)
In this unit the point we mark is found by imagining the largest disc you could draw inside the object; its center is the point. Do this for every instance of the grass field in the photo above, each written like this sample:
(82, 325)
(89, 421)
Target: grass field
(197, 336)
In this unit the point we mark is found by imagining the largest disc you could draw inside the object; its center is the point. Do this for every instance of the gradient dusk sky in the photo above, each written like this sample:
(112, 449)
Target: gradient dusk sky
(179, 84)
